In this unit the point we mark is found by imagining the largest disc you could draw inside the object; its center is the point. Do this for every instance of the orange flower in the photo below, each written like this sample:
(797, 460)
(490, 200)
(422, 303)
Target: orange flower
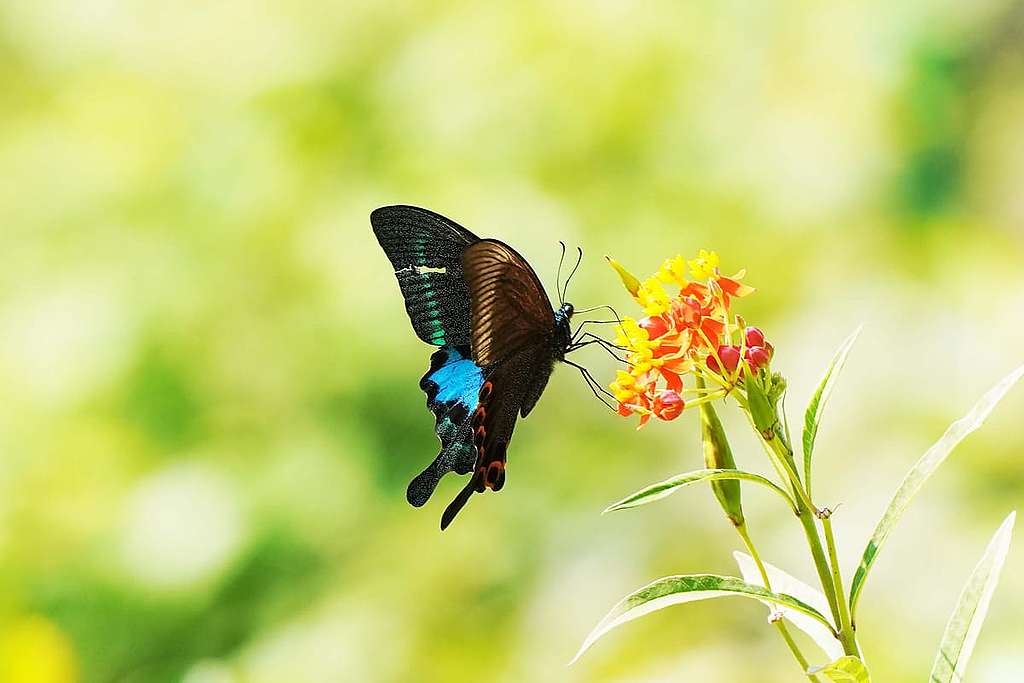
(699, 319)
(681, 334)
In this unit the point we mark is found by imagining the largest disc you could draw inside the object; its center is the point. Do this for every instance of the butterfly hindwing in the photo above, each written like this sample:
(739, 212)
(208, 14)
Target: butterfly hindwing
(425, 250)
(492, 422)
(452, 385)
(512, 338)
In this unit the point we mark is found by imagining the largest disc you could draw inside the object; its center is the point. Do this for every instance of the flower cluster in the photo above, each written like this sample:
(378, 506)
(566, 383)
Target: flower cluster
(691, 332)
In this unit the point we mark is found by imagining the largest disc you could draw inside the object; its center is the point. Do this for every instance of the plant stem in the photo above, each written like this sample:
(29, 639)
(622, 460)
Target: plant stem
(820, 562)
(806, 514)
(780, 625)
(845, 626)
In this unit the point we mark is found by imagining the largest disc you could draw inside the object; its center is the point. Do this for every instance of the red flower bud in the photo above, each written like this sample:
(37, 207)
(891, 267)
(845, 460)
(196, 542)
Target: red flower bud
(668, 405)
(758, 357)
(655, 326)
(730, 356)
(754, 336)
(624, 410)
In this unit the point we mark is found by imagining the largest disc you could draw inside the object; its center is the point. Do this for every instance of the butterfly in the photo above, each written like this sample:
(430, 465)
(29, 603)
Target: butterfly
(498, 335)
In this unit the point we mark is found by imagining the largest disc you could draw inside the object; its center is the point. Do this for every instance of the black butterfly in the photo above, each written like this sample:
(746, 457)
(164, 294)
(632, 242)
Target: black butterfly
(481, 302)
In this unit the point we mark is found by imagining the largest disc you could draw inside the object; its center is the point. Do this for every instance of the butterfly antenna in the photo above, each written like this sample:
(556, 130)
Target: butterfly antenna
(558, 276)
(565, 289)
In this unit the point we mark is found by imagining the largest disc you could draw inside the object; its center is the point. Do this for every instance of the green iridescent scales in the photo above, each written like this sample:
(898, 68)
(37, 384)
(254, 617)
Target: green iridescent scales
(436, 327)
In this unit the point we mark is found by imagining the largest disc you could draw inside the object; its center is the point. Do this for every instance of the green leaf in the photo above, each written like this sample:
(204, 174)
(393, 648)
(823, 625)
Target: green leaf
(846, 669)
(920, 472)
(674, 590)
(669, 486)
(964, 625)
(789, 585)
(815, 409)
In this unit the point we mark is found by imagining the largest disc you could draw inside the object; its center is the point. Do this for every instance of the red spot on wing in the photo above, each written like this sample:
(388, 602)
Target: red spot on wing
(479, 415)
(494, 478)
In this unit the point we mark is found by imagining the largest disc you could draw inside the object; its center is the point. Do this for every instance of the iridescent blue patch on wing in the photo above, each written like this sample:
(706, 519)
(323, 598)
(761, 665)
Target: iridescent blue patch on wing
(459, 379)
(452, 386)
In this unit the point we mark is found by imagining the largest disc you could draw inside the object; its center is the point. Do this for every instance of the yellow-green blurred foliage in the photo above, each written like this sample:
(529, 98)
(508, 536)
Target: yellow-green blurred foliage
(208, 400)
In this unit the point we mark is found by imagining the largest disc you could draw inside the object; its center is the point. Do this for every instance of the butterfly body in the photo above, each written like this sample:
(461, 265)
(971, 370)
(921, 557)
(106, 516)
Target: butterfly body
(499, 338)
(563, 329)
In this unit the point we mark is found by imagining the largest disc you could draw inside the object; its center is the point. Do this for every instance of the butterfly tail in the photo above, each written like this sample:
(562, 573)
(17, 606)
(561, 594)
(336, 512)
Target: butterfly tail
(421, 488)
(448, 460)
(473, 486)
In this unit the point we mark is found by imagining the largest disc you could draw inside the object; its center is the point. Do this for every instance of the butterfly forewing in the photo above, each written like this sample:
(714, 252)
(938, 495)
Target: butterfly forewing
(425, 250)
(510, 310)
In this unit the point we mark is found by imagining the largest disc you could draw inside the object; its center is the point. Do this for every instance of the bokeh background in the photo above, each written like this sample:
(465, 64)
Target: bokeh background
(208, 400)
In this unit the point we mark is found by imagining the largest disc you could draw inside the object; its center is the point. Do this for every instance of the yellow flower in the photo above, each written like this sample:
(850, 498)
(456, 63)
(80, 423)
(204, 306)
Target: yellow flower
(653, 297)
(704, 266)
(673, 271)
(642, 361)
(624, 386)
(631, 335)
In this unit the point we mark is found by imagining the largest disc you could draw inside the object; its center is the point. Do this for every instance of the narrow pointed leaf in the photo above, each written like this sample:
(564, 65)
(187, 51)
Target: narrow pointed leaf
(789, 585)
(965, 624)
(815, 409)
(919, 474)
(674, 590)
(669, 486)
(846, 669)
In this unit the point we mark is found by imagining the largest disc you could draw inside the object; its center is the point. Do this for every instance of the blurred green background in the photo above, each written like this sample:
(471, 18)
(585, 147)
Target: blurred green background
(208, 382)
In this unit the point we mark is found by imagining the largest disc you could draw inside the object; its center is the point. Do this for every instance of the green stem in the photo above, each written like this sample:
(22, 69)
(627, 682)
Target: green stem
(780, 625)
(799, 491)
(806, 514)
(845, 625)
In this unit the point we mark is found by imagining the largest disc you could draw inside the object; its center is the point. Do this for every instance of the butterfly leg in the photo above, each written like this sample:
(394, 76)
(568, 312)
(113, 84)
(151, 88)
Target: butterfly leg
(611, 351)
(579, 330)
(594, 339)
(593, 384)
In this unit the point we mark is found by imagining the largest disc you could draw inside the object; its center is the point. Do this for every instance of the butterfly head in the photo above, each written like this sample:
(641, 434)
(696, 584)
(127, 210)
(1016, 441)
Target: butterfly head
(563, 328)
